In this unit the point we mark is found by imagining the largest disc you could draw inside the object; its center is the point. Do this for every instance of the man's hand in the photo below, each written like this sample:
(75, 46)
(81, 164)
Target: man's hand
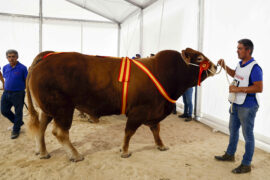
(221, 62)
(233, 88)
(231, 72)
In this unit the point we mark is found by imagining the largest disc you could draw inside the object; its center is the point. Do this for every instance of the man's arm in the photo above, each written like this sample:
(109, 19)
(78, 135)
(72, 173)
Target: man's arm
(256, 77)
(257, 87)
(230, 71)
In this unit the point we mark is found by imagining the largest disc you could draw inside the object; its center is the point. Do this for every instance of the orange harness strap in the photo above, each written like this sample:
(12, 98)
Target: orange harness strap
(46, 55)
(124, 78)
(155, 81)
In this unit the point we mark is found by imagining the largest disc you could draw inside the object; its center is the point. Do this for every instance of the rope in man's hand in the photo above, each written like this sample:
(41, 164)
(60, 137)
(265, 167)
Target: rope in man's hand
(231, 97)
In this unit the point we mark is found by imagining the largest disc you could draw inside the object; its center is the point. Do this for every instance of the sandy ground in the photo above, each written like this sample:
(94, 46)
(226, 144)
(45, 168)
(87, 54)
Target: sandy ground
(191, 154)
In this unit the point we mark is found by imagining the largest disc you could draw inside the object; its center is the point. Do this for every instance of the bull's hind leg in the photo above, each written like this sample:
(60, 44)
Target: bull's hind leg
(63, 138)
(40, 141)
(129, 132)
(155, 130)
(61, 131)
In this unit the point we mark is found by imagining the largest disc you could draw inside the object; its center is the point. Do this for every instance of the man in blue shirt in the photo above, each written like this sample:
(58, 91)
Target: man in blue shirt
(248, 80)
(15, 75)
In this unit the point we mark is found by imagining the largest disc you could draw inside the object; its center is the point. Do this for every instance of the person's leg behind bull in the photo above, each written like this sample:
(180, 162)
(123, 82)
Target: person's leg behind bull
(185, 114)
(189, 105)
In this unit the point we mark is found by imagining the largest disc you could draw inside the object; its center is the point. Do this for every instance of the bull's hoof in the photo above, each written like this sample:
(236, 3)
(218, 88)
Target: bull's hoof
(82, 116)
(93, 120)
(125, 155)
(77, 158)
(163, 148)
(46, 156)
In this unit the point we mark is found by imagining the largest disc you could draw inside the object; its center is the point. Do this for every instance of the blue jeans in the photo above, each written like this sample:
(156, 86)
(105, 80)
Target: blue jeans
(245, 117)
(16, 99)
(187, 98)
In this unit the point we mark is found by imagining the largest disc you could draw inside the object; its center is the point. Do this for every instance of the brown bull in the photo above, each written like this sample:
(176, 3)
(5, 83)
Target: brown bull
(60, 83)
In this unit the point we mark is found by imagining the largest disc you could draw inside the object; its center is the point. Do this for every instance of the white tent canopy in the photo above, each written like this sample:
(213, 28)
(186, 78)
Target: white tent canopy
(128, 27)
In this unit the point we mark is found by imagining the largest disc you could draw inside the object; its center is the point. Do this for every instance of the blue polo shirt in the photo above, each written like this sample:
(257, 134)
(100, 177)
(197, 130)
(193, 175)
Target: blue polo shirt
(255, 75)
(15, 77)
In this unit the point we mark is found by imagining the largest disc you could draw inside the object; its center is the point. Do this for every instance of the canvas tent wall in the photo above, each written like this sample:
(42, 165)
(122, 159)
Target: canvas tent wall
(127, 27)
(65, 27)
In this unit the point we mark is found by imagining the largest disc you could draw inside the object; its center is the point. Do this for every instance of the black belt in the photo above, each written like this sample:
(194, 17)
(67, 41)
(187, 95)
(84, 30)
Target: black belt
(13, 91)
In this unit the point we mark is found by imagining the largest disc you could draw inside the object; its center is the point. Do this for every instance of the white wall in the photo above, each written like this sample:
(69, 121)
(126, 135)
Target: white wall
(176, 29)
(226, 22)
(88, 38)
(20, 34)
(130, 36)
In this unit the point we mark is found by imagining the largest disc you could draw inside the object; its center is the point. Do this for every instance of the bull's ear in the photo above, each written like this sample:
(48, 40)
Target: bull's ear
(186, 56)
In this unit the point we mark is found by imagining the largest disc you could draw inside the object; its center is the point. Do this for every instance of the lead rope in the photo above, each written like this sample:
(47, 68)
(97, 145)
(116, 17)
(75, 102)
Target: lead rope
(231, 95)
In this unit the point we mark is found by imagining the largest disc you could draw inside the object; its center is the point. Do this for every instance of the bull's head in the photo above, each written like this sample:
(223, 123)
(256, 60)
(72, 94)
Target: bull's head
(195, 58)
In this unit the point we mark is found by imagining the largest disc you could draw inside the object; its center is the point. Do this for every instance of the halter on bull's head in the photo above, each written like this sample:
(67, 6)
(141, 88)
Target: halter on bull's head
(200, 63)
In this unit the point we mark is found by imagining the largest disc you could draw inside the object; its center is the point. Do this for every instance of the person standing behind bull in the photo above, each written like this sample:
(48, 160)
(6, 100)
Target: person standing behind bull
(188, 106)
(249, 81)
(15, 75)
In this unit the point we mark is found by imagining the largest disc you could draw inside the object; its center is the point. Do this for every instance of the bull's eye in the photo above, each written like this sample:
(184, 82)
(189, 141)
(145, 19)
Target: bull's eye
(200, 58)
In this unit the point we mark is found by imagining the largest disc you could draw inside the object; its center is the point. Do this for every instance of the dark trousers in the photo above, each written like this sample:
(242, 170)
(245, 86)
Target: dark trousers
(16, 99)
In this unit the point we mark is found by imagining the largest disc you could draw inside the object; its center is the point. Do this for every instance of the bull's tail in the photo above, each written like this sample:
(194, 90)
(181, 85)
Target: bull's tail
(33, 123)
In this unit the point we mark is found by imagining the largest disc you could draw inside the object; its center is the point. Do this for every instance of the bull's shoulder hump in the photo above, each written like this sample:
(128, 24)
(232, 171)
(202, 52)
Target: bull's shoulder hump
(168, 52)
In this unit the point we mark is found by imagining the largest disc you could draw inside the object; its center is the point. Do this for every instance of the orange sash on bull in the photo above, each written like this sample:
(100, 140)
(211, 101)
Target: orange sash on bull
(155, 81)
(124, 78)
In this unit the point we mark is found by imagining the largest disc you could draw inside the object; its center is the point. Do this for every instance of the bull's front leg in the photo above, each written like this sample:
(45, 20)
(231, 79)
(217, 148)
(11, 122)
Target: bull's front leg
(155, 130)
(129, 132)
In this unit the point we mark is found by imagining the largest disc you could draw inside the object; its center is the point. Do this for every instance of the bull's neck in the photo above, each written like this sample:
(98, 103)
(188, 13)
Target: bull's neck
(188, 77)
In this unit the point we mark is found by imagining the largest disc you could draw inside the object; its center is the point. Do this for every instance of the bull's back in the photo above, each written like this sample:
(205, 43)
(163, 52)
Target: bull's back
(87, 82)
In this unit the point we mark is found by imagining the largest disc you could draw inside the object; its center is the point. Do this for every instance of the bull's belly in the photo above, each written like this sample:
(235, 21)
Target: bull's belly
(97, 111)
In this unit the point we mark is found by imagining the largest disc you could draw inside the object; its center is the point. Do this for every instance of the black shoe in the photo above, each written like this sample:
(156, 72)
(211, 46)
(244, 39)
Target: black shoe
(225, 157)
(242, 169)
(189, 118)
(183, 116)
(174, 111)
(14, 135)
